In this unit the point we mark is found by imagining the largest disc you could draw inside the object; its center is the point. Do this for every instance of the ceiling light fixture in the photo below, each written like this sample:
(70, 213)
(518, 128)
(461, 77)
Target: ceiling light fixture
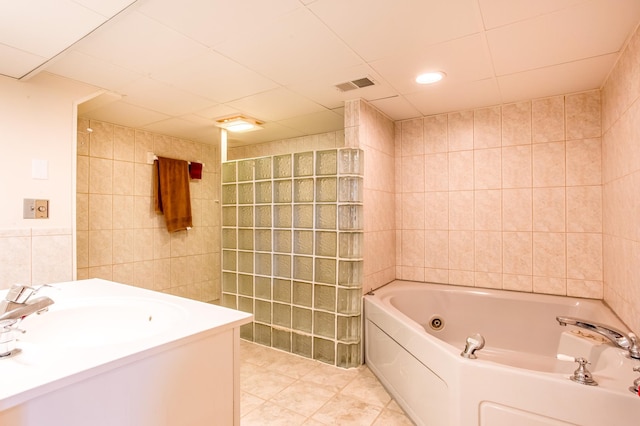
(239, 123)
(430, 77)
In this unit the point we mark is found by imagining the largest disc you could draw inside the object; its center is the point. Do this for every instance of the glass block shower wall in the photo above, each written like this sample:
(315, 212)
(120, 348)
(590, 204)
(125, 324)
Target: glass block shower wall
(292, 239)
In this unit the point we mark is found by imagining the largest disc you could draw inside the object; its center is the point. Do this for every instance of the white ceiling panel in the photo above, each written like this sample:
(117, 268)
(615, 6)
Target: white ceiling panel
(296, 47)
(27, 25)
(16, 62)
(455, 97)
(92, 70)
(163, 98)
(452, 57)
(209, 75)
(591, 29)
(181, 65)
(497, 13)
(564, 78)
(216, 21)
(125, 114)
(396, 108)
(377, 29)
(138, 43)
(276, 105)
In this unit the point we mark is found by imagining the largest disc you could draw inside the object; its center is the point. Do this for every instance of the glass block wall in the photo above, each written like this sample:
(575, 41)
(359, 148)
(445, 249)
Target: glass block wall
(292, 239)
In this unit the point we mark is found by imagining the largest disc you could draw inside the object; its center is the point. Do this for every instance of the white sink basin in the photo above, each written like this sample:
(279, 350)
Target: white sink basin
(100, 321)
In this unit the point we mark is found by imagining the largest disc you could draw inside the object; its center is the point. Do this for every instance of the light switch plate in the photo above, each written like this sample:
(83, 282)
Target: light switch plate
(35, 209)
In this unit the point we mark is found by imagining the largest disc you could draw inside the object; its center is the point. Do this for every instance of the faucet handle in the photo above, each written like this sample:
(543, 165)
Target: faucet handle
(636, 383)
(634, 349)
(19, 293)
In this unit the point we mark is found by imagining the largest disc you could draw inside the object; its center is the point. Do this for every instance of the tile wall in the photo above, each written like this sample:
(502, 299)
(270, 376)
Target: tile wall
(621, 185)
(119, 235)
(504, 197)
(371, 131)
(35, 256)
(292, 251)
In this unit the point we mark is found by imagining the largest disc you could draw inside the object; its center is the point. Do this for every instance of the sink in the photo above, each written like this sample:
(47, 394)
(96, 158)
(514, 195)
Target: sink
(91, 322)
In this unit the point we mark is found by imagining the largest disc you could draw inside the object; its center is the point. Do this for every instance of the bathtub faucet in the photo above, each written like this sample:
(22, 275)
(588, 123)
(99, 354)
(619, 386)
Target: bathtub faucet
(617, 337)
(18, 303)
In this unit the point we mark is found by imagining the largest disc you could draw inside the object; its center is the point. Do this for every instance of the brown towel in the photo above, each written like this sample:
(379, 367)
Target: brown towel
(171, 193)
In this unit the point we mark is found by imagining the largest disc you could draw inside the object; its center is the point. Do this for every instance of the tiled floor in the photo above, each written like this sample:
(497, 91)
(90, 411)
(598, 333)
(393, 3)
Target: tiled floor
(279, 388)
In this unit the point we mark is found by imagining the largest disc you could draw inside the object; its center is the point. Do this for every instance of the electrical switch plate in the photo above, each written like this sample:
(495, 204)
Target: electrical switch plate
(35, 209)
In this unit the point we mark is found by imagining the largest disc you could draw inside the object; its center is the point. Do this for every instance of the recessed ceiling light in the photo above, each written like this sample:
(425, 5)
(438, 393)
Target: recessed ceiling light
(430, 77)
(239, 123)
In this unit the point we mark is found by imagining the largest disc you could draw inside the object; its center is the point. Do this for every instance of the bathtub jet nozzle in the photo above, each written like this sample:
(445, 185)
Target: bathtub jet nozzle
(472, 344)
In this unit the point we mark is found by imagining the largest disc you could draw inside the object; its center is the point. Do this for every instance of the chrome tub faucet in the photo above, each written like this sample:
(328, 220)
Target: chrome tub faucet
(617, 337)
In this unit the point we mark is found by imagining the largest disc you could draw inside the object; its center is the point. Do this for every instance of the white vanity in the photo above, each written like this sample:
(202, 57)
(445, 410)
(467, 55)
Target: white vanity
(110, 354)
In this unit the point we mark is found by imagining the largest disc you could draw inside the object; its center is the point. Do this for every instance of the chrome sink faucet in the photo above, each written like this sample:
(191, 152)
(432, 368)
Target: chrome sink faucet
(617, 337)
(18, 303)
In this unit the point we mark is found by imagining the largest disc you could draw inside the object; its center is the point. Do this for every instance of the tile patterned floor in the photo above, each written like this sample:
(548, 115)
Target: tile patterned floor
(279, 388)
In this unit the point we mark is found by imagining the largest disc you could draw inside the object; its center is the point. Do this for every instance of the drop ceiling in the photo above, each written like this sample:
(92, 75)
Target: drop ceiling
(176, 67)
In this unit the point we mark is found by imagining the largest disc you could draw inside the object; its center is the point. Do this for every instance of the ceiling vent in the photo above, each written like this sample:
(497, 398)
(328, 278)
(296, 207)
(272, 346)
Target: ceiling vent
(355, 84)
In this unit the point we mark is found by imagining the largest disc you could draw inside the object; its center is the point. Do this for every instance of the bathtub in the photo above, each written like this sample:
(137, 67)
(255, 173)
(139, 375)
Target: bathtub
(415, 332)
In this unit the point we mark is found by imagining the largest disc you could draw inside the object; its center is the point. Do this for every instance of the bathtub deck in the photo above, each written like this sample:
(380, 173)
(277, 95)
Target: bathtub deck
(279, 388)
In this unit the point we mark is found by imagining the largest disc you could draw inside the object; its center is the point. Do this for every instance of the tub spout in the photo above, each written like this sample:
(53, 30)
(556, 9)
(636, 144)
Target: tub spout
(617, 337)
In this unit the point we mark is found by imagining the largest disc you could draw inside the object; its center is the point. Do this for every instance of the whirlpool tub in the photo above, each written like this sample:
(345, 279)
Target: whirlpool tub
(415, 333)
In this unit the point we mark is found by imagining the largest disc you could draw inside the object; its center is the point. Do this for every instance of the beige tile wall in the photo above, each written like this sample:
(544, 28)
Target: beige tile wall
(368, 129)
(503, 197)
(120, 237)
(621, 185)
(35, 256)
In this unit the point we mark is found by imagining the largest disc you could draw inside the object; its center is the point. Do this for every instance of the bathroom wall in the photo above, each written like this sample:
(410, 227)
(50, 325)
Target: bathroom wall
(621, 185)
(371, 131)
(504, 197)
(38, 122)
(119, 235)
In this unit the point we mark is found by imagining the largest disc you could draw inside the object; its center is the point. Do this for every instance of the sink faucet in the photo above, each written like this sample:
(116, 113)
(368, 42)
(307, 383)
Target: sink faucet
(617, 337)
(17, 304)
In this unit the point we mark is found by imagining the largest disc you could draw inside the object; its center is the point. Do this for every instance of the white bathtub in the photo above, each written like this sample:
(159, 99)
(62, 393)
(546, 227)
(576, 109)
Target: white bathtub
(516, 378)
(110, 354)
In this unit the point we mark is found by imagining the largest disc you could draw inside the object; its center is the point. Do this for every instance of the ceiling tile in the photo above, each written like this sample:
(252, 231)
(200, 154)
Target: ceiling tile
(270, 132)
(126, 114)
(140, 44)
(17, 63)
(106, 8)
(43, 27)
(452, 57)
(571, 77)
(92, 70)
(296, 47)
(161, 97)
(378, 29)
(276, 105)
(214, 21)
(396, 107)
(215, 77)
(448, 97)
(496, 13)
(185, 129)
(592, 29)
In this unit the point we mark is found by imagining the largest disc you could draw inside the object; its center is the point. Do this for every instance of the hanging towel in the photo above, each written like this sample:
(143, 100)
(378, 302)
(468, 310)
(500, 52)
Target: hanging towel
(171, 193)
(195, 170)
